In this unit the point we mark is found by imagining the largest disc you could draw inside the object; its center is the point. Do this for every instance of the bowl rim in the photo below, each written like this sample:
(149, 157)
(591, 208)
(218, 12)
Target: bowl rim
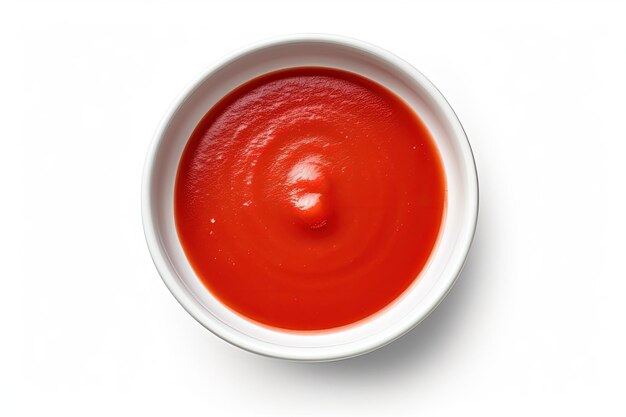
(160, 257)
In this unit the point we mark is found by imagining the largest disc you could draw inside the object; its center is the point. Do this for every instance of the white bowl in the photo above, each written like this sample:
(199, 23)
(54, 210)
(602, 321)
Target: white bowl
(445, 262)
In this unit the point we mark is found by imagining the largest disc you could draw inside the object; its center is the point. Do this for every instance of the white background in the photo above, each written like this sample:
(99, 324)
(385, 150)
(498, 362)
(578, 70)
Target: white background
(535, 325)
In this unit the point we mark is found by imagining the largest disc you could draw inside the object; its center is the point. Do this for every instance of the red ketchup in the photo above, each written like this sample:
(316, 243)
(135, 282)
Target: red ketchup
(309, 198)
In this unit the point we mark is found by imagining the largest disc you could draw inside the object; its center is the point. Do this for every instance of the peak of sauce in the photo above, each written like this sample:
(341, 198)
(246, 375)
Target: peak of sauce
(309, 198)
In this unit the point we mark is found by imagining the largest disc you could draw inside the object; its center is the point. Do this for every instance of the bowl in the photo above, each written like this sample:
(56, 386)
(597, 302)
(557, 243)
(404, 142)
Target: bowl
(433, 282)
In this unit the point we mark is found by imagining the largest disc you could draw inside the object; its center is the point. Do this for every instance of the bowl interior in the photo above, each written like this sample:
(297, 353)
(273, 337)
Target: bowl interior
(434, 281)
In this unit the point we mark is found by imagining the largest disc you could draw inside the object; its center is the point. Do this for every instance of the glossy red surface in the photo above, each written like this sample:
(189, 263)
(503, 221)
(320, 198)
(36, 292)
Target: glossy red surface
(309, 198)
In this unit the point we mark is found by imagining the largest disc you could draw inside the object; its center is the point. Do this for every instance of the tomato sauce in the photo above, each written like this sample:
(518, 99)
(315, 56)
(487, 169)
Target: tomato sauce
(309, 198)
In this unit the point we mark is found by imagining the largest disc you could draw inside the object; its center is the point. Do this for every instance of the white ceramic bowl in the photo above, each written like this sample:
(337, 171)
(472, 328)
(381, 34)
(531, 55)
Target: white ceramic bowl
(311, 50)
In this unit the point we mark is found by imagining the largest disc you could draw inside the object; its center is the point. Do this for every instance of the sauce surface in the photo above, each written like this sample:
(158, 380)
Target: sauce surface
(309, 198)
